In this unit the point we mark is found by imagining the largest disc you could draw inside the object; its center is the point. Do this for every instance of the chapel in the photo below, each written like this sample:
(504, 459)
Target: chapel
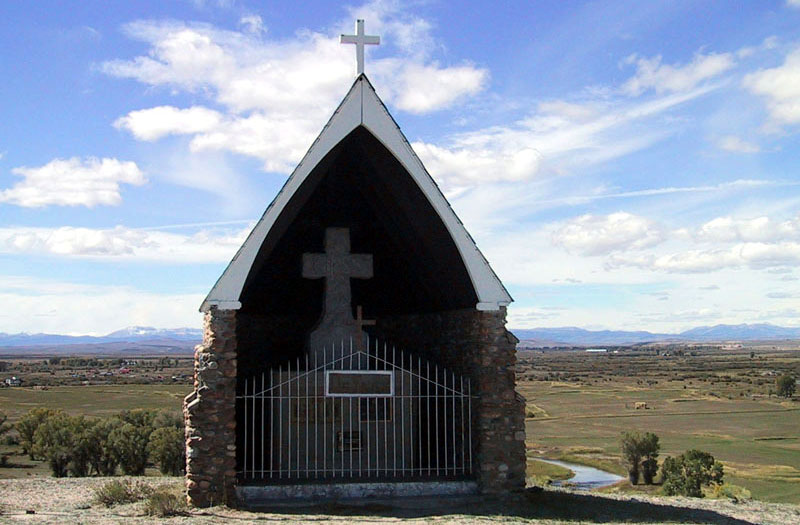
(355, 346)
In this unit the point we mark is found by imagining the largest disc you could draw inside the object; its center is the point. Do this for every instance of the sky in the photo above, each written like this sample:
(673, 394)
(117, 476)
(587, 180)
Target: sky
(621, 164)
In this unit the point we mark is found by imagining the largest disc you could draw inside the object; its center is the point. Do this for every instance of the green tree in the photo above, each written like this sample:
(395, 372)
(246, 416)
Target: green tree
(786, 386)
(649, 447)
(167, 447)
(686, 474)
(637, 447)
(81, 452)
(138, 417)
(168, 418)
(53, 440)
(4, 427)
(27, 425)
(102, 458)
(129, 445)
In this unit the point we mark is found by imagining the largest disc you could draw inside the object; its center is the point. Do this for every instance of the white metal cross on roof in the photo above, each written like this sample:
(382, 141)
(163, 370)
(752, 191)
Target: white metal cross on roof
(360, 39)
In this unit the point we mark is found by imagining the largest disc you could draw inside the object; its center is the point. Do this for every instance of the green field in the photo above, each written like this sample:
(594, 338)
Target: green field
(93, 400)
(757, 437)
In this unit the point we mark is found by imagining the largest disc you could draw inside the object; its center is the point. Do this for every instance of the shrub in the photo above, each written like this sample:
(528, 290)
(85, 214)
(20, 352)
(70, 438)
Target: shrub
(686, 474)
(786, 385)
(118, 492)
(27, 426)
(164, 503)
(167, 447)
(129, 447)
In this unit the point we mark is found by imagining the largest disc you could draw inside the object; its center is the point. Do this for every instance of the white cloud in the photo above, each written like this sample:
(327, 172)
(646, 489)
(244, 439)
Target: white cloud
(49, 306)
(755, 255)
(759, 229)
(420, 88)
(601, 235)
(277, 94)
(780, 86)
(252, 24)
(73, 182)
(121, 243)
(154, 123)
(737, 145)
(793, 3)
(664, 78)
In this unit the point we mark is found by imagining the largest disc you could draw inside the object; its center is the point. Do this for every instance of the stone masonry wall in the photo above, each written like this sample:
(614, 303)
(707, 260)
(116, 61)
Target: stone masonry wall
(209, 413)
(476, 344)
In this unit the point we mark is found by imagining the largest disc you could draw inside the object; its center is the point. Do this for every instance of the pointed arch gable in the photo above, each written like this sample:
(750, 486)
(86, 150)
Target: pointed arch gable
(361, 107)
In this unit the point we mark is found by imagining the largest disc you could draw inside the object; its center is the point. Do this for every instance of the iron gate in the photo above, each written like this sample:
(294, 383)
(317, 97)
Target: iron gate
(377, 414)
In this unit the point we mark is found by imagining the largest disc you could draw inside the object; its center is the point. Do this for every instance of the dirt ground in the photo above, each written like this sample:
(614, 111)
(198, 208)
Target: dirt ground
(69, 500)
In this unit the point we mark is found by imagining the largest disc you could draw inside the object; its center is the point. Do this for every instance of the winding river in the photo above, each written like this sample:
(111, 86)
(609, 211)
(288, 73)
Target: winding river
(585, 478)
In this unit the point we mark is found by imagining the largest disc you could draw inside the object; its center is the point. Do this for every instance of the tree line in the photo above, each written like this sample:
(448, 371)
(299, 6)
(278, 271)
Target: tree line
(79, 446)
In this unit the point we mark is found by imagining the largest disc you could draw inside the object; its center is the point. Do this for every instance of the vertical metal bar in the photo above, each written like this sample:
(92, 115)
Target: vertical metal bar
(419, 413)
(297, 430)
(444, 418)
(385, 423)
(307, 415)
(341, 411)
(316, 419)
(453, 418)
(245, 428)
(360, 444)
(350, 414)
(263, 414)
(428, 409)
(271, 419)
(463, 436)
(436, 417)
(289, 382)
(469, 423)
(402, 413)
(280, 421)
(394, 409)
(324, 417)
(365, 401)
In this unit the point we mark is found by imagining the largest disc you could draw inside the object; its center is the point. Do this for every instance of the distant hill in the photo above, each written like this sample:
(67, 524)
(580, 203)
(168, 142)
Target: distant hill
(721, 332)
(132, 333)
(140, 340)
(147, 340)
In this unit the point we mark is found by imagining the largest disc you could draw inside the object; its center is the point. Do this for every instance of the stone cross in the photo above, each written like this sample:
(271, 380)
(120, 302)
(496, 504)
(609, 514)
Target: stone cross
(337, 266)
(360, 39)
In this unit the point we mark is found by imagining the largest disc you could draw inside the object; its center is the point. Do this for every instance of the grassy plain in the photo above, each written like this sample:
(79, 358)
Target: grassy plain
(579, 403)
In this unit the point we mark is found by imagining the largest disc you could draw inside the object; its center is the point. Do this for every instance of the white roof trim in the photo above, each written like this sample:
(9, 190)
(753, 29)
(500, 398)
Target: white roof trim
(361, 106)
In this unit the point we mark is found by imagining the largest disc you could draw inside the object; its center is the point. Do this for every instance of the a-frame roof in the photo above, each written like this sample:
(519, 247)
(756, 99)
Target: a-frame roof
(360, 107)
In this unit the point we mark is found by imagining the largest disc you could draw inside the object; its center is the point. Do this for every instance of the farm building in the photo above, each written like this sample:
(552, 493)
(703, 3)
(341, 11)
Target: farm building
(356, 343)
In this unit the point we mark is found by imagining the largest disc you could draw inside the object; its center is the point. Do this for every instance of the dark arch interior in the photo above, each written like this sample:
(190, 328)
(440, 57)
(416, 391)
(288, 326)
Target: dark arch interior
(359, 185)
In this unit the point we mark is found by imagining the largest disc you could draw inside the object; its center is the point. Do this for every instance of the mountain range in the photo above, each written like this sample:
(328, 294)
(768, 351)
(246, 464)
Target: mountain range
(721, 332)
(149, 339)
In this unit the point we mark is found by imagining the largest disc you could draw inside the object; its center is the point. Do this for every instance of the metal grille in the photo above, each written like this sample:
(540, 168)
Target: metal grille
(296, 428)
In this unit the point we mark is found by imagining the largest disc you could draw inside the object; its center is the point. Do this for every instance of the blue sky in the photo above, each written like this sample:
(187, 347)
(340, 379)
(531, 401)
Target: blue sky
(623, 165)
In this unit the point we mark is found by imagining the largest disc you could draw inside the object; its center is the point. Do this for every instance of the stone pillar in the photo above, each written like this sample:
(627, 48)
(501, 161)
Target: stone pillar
(500, 415)
(210, 413)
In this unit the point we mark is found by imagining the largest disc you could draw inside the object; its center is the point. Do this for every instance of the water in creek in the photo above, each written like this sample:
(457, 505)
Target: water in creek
(585, 478)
